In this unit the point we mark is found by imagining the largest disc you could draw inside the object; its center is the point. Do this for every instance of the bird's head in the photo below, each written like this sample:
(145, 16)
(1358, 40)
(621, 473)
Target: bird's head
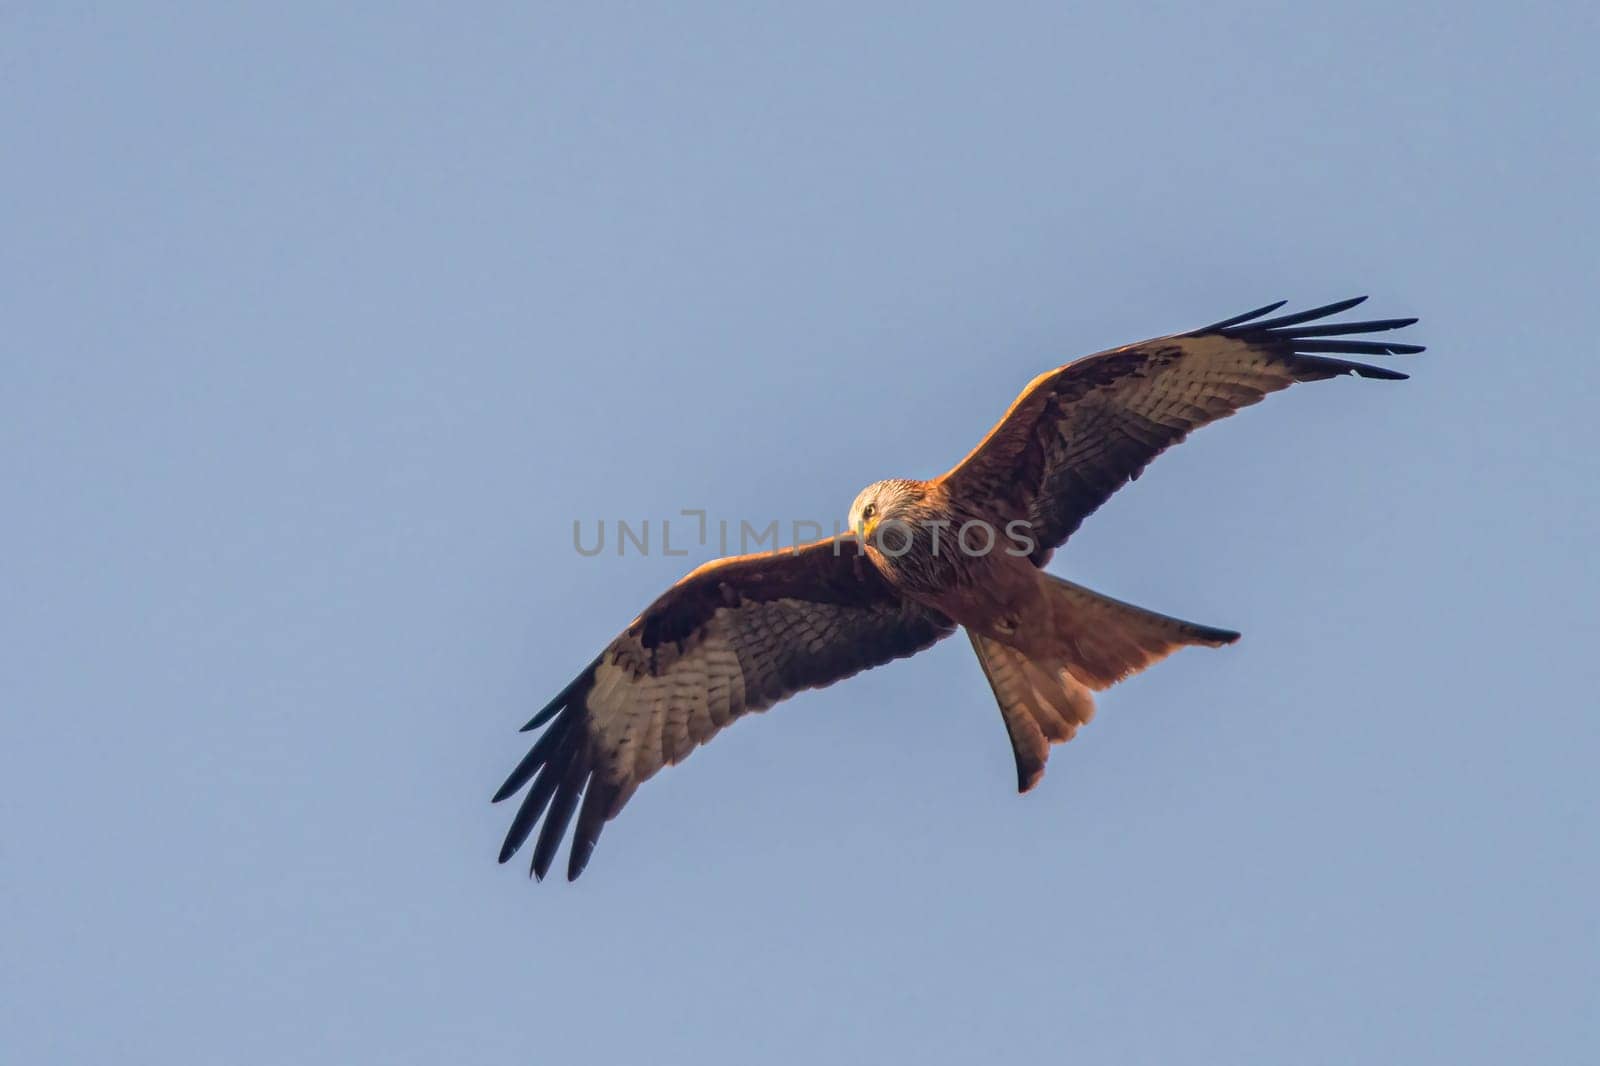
(882, 501)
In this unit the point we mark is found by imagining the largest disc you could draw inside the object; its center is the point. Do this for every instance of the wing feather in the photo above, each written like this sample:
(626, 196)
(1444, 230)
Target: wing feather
(732, 638)
(1079, 433)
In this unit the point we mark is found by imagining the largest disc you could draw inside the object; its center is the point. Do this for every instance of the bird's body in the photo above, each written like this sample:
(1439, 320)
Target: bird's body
(960, 561)
(963, 550)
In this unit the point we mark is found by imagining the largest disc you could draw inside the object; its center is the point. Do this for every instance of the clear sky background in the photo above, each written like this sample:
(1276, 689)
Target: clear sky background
(320, 326)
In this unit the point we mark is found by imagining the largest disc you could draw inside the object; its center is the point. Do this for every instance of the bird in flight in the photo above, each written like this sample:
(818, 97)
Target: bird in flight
(964, 550)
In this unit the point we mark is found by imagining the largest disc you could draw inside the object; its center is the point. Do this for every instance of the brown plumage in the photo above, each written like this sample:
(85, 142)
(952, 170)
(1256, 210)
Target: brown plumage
(966, 549)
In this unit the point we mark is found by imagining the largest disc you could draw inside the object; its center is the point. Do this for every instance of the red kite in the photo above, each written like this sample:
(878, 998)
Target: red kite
(966, 549)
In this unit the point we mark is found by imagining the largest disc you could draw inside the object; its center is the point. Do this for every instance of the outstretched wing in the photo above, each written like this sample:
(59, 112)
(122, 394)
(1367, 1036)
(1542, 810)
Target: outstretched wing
(1079, 433)
(735, 636)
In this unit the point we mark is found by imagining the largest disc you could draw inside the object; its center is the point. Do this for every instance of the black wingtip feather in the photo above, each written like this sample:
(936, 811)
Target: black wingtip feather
(1357, 347)
(1305, 343)
(1315, 367)
(533, 806)
(537, 756)
(1325, 311)
(1236, 319)
(598, 801)
(562, 698)
(556, 819)
(1339, 329)
(549, 764)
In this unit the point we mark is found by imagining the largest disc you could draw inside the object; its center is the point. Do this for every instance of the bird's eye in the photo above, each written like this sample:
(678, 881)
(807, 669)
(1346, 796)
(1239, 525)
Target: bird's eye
(869, 510)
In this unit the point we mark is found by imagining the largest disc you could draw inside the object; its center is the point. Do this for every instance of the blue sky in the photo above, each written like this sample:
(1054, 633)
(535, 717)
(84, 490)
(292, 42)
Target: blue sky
(322, 326)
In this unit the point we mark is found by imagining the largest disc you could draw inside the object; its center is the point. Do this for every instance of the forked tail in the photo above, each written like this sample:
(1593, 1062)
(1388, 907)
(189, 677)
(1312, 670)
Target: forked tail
(1096, 642)
(1102, 640)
